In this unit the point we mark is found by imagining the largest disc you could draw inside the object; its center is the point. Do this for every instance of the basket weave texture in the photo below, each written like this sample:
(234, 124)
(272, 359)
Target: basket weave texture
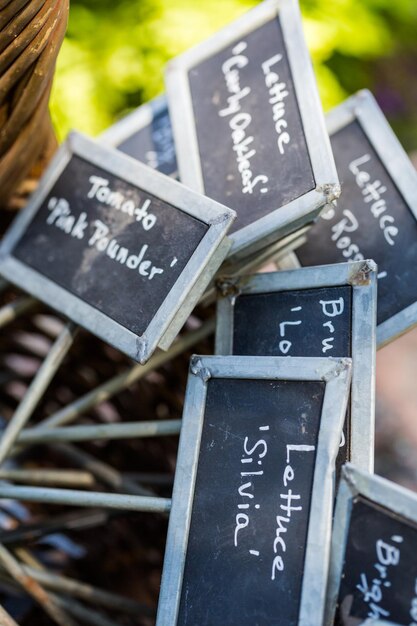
(31, 34)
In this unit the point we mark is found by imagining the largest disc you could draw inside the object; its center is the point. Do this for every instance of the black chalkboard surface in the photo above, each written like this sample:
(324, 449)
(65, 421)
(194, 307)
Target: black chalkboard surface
(294, 323)
(153, 145)
(245, 538)
(248, 425)
(110, 266)
(373, 570)
(380, 568)
(115, 246)
(376, 215)
(280, 170)
(248, 125)
(146, 135)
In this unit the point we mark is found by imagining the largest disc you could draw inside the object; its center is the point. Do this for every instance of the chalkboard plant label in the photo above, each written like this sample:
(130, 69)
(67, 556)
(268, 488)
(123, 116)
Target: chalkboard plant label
(249, 531)
(376, 216)
(146, 135)
(314, 311)
(117, 247)
(249, 128)
(373, 572)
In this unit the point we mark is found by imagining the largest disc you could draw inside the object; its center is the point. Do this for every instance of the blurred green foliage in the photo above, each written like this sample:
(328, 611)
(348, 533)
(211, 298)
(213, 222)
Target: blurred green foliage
(114, 54)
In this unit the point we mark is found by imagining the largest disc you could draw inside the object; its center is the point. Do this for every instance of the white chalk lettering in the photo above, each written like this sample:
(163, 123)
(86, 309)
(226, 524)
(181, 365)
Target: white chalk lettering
(388, 555)
(253, 453)
(277, 92)
(348, 224)
(372, 193)
(240, 121)
(101, 240)
(332, 308)
(283, 521)
(101, 191)
(60, 216)
(285, 345)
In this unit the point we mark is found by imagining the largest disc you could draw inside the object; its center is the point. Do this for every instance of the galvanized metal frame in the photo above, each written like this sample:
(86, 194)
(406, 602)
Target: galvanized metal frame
(381, 492)
(253, 262)
(183, 296)
(141, 117)
(363, 108)
(378, 622)
(336, 374)
(361, 276)
(290, 217)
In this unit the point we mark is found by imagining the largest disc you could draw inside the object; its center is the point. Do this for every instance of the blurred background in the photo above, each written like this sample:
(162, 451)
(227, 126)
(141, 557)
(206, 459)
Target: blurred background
(114, 54)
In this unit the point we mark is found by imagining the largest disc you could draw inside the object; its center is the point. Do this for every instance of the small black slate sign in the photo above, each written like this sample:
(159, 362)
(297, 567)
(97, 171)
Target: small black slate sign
(278, 164)
(114, 245)
(107, 255)
(263, 424)
(379, 577)
(373, 571)
(146, 135)
(240, 501)
(375, 217)
(248, 124)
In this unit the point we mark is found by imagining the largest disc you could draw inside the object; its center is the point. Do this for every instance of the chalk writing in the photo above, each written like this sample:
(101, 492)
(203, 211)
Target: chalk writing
(289, 502)
(283, 521)
(101, 191)
(164, 153)
(329, 308)
(63, 219)
(100, 238)
(388, 555)
(373, 193)
(254, 453)
(241, 120)
(278, 92)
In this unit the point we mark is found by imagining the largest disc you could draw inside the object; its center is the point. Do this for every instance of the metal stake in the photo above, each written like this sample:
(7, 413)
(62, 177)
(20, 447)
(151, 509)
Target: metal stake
(82, 613)
(75, 520)
(12, 310)
(128, 430)
(56, 478)
(36, 389)
(105, 391)
(150, 478)
(87, 498)
(34, 589)
(103, 472)
(87, 592)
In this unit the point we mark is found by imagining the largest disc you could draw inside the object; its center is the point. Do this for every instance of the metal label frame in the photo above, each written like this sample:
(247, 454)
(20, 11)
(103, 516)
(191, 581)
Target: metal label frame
(185, 292)
(363, 108)
(134, 122)
(361, 276)
(283, 220)
(378, 622)
(336, 373)
(378, 490)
